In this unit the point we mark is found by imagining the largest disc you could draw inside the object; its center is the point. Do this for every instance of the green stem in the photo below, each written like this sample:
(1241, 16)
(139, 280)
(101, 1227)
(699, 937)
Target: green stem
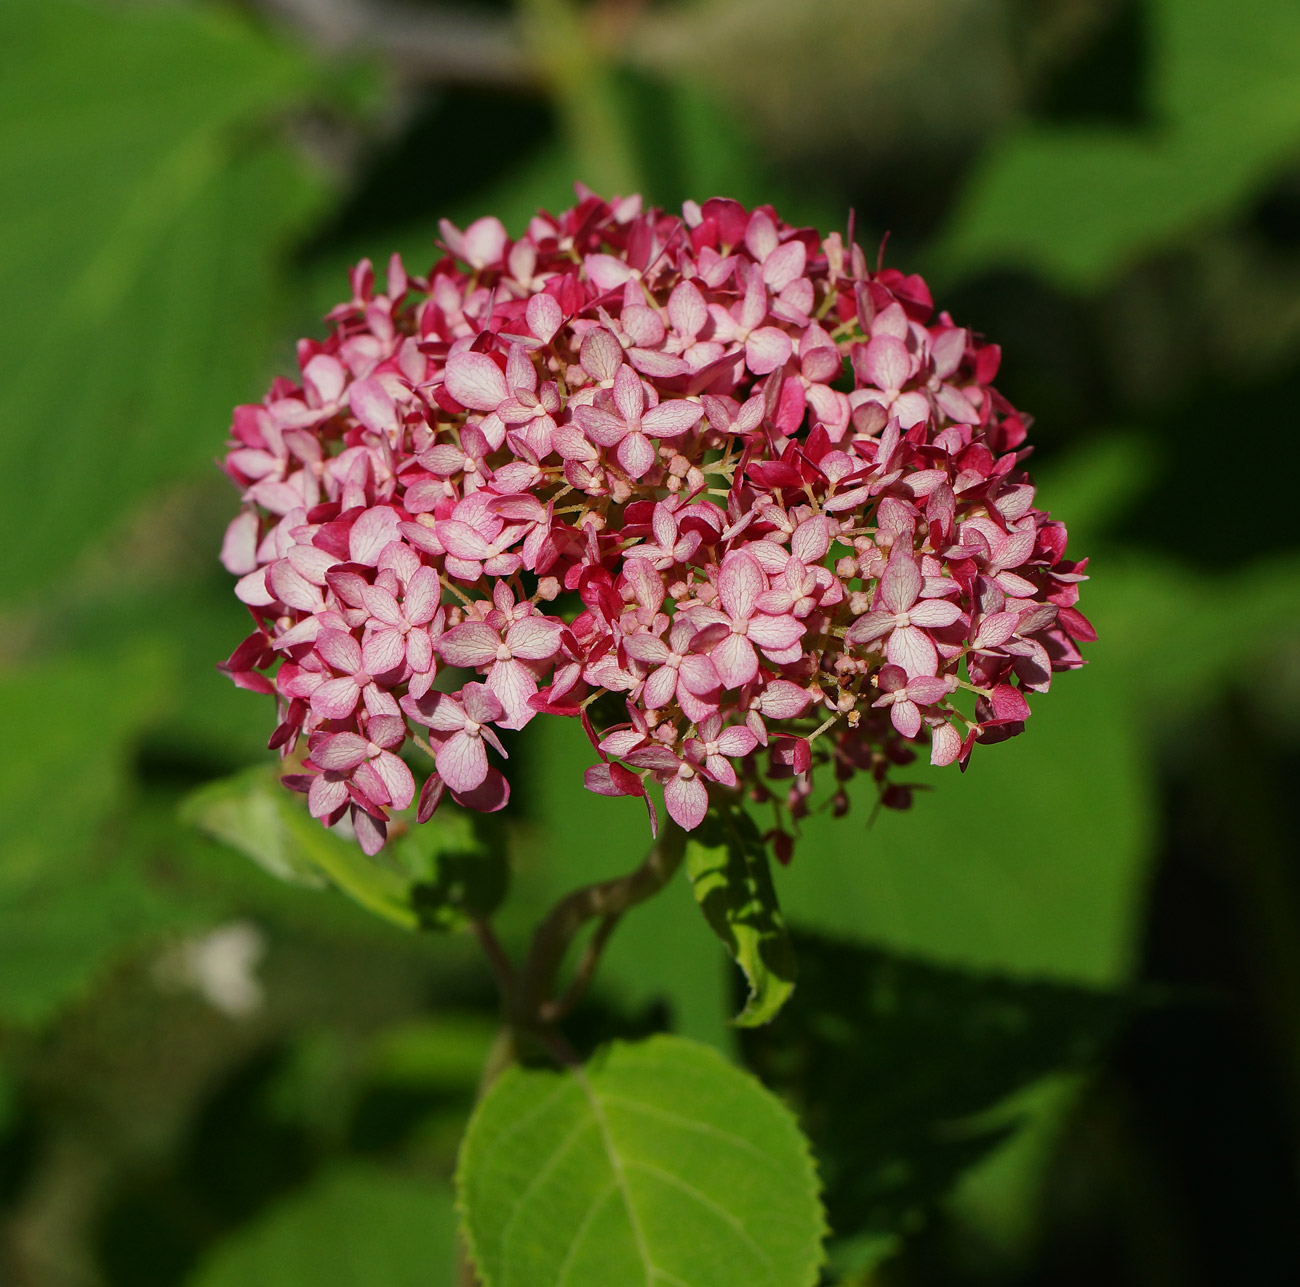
(528, 1003)
(585, 92)
(607, 899)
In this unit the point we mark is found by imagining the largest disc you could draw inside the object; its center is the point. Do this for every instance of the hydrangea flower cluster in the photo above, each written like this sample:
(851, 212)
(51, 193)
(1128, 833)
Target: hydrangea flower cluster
(710, 484)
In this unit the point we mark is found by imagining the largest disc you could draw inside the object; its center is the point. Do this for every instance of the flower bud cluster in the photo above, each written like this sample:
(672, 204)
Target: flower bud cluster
(738, 502)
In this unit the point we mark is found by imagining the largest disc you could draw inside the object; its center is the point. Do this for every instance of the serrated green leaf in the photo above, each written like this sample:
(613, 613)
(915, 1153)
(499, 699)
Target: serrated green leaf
(356, 1227)
(658, 1164)
(898, 1068)
(144, 197)
(729, 871)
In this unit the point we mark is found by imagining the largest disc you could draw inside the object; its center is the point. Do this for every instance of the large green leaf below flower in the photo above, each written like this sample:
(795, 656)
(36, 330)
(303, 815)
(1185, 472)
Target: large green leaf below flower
(659, 1163)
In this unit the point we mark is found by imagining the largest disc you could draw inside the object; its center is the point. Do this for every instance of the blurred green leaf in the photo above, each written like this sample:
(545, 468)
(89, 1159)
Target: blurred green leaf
(67, 904)
(255, 814)
(246, 812)
(356, 1227)
(1078, 205)
(658, 1162)
(896, 1068)
(146, 194)
(459, 868)
(436, 875)
(444, 1051)
(728, 866)
(1033, 861)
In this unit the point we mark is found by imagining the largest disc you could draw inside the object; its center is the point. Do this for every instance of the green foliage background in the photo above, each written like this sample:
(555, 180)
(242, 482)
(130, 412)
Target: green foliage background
(1048, 1022)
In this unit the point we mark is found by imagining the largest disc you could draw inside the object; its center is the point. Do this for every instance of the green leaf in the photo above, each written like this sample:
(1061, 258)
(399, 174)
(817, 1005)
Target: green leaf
(273, 822)
(356, 1227)
(1079, 205)
(146, 197)
(729, 870)
(68, 903)
(246, 812)
(898, 1067)
(435, 875)
(658, 1164)
(459, 867)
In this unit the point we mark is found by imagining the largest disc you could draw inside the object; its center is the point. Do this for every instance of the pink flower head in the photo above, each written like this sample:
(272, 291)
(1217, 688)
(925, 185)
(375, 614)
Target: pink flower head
(782, 502)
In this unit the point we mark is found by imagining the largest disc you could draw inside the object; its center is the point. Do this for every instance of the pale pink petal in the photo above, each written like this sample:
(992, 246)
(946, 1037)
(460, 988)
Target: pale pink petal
(775, 633)
(629, 394)
(602, 427)
(463, 541)
(687, 801)
(737, 740)
(783, 700)
(239, 545)
(422, 595)
(869, 627)
(646, 647)
(293, 589)
(606, 272)
(396, 778)
(326, 375)
(906, 718)
(382, 651)
(339, 752)
(512, 683)
(481, 704)
(251, 589)
(698, 675)
(372, 405)
(336, 698)
(911, 648)
(386, 730)
(471, 644)
(475, 381)
(887, 363)
(740, 582)
(371, 532)
(933, 612)
(544, 317)
(534, 638)
(601, 355)
(660, 688)
(325, 795)
(669, 419)
(784, 264)
(735, 661)
(687, 310)
(911, 409)
(440, 712)
(766, 349)
(419, 651)
(945, 745)
(381, 605)
(636, 454)
(902, 580)
(370, 832)
(340, 649)
(462, 761)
